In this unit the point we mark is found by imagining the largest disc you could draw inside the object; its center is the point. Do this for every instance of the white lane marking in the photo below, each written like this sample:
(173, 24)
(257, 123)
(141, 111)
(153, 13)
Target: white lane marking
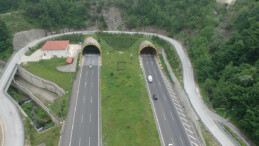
(164, 115)
(82, 118)
(89, 140)
(91, 99)
(172, 115)
(92, 73)
(186, 125)
(98, 106)
(188, 130)
(90, 118)
(177, 105)
(184, 119)
(154, 110)
(194, 143)
(181, 140)
(79, 141)
(181, 114)
(172, 140)
(84, 99)
(192, 137)
(85, 84)
(179, 109)
(75, 107)
(175, 100)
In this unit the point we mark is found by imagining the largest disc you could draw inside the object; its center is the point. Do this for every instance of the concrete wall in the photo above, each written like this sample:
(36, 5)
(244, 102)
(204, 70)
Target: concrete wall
(40, 82)
(53, 117)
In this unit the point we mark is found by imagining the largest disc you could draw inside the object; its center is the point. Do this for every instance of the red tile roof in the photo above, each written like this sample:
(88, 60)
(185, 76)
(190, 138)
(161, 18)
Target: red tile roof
(69, 60)
(55, 45)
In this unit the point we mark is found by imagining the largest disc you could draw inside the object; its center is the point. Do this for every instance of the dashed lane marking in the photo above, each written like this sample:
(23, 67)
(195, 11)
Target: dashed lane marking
(90, 118)
(80, 141)
(164, 115)
(82, 118)
(172, 115)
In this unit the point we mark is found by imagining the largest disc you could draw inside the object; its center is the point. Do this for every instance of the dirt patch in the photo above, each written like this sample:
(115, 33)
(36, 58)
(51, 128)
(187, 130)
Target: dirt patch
(113, 18)
(22, 38)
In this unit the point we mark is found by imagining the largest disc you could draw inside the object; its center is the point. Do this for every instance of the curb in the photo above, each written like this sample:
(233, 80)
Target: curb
(2, 131)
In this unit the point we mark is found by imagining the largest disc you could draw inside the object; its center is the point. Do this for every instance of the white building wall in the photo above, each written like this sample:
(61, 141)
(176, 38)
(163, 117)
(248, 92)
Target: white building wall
(48, 54)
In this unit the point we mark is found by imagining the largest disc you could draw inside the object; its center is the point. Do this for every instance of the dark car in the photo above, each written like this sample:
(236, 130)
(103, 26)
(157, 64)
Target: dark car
(155, 97)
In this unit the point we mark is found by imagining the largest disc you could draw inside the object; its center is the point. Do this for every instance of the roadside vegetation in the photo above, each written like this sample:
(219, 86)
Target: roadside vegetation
(127, 118)
(47, 70)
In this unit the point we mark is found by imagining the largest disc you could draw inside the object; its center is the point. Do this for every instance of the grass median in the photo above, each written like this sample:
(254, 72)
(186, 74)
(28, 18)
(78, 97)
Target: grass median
(127, 118)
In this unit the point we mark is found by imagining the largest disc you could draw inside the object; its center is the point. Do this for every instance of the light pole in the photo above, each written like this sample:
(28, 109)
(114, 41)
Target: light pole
(227, 111)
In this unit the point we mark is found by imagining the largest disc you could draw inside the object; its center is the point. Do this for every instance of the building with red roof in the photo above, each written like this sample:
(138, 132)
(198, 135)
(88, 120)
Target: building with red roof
(52, 49)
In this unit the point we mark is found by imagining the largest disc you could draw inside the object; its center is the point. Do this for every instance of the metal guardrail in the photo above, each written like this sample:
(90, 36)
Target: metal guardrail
(226, 131)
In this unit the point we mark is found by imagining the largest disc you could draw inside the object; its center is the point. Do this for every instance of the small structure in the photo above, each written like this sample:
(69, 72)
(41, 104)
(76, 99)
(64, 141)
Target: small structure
(52, 49)
(69, 60)
(91, 46)
(146, 47)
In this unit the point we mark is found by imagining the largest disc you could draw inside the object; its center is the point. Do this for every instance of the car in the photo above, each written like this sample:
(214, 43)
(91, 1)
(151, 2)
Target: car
(150, 79)
(155, 97)
(90, 66)
(170, 144)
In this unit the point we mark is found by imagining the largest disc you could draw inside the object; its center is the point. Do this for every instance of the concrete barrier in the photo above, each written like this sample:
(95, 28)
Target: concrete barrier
(40, 82)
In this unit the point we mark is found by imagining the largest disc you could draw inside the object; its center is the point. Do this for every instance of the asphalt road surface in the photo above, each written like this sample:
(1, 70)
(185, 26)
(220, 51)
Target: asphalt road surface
(170, 126)
(85, 127)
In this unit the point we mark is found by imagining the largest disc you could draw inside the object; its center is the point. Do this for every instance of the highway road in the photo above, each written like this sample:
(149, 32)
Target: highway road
(86, 121)
(172, 122)
(13, 127)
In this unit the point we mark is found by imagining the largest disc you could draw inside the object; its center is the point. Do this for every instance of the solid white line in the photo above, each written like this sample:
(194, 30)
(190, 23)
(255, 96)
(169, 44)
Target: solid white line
(194, 143)
(75, 107)
(99, 144)
(90, 118)
(91, 99)
(82, 118)
(79, 141)
(85, 84)
(89, 141)
(164, 115)
(192, 137)
(172, 115)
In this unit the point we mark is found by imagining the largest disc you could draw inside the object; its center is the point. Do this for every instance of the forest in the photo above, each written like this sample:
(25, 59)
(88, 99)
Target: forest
(226, 67)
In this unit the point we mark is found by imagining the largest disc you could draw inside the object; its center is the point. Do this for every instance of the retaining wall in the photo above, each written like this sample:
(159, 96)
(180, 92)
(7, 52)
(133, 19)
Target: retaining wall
(40, 82)
(53, 117)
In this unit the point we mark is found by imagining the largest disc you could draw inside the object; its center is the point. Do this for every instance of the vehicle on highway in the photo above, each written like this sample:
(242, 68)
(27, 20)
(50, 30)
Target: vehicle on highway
(150, 79)
(90, 66)
(170, 144)
(155, 97)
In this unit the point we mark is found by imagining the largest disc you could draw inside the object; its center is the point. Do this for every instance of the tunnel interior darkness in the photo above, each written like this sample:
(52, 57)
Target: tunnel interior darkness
(90, 49)
(148, 50)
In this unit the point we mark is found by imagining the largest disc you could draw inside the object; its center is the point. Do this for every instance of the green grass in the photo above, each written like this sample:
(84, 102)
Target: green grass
(49, 137)
(35, 48)
(15, 22)
(6, 54)
(127, 118)
(47, 70)
(209, 139)
(119, 41)
(230, 132)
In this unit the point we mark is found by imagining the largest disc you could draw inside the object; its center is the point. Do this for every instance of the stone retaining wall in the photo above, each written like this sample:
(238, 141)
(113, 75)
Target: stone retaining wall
(40, 82)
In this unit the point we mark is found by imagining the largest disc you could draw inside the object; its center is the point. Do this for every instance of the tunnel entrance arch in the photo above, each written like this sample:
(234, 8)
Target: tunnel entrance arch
(91, 46)
(147, 48)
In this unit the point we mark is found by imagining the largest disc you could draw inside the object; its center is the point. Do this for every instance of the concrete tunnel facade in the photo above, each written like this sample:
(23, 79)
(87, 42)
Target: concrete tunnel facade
(91, 46)
(146, 47)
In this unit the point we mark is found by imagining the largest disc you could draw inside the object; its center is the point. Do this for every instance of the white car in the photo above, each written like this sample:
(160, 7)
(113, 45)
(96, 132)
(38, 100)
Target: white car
(150, 79)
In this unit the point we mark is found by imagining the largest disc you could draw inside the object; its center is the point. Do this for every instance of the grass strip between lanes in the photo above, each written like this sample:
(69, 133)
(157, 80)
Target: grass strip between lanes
(127, 118)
